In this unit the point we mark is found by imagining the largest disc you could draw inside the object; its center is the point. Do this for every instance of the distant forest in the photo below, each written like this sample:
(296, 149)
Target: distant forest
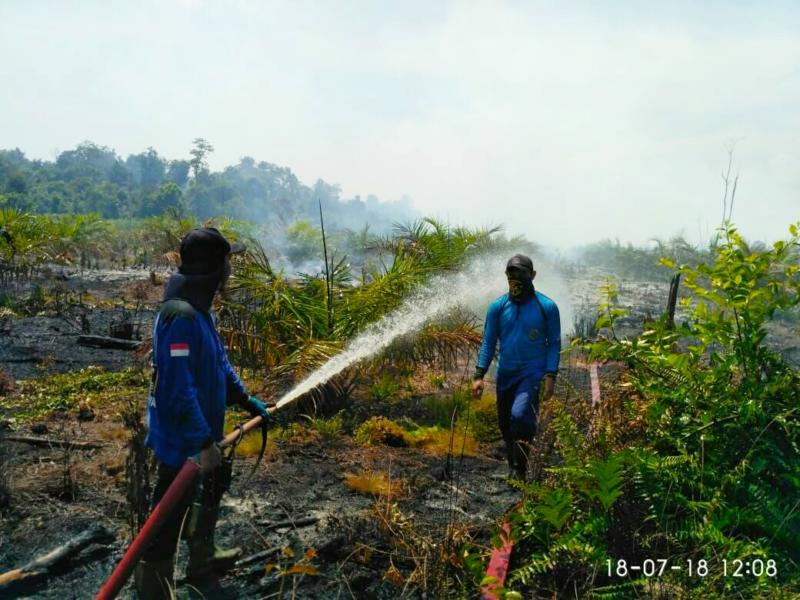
(95, 179)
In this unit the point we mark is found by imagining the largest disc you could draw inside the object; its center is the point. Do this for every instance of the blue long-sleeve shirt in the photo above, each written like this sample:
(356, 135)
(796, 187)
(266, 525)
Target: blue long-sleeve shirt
(193, 382)
(529, 334)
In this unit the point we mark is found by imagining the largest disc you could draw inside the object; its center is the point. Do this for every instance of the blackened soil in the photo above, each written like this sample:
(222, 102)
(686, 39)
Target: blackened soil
(362, 546)
(74, 302)
(32, 346)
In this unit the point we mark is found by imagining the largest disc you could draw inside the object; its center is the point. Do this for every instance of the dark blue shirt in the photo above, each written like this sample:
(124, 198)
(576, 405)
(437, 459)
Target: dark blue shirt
(191, 383)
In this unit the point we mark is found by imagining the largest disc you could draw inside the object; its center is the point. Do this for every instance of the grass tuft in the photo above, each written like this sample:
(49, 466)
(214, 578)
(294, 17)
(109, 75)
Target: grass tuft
(483, 419)
(436, 440)
(329, 429)
(381, 431)
(385, 388)
(376, 483)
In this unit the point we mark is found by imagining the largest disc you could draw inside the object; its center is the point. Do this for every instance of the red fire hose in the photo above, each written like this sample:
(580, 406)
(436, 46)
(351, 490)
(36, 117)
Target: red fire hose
(498, 564)
(171, 497)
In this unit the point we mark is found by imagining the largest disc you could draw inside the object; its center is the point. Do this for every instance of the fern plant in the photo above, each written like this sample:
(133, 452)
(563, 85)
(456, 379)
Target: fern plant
(710, 469)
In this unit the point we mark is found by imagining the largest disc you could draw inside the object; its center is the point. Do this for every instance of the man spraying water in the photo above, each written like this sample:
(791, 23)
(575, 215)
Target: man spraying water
(528, 327)
(193, 384)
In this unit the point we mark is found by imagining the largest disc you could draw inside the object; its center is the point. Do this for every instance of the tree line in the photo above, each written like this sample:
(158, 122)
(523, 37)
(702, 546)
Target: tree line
(95, 179)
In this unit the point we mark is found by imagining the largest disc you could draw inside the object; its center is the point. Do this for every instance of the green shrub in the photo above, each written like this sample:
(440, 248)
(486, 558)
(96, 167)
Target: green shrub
(386, 388)
(297, 433)
(437, 381)
(709, 472)
(92, 386)
(483, 419)
(443, 410)
(329, 429)
(8, 303)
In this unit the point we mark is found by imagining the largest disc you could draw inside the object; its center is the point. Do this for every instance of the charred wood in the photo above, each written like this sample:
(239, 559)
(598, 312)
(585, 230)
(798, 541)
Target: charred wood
(44, 442)
(109, 343)
(56, 561)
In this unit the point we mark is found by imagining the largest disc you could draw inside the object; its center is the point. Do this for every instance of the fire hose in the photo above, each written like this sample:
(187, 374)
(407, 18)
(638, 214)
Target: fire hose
(166, 505)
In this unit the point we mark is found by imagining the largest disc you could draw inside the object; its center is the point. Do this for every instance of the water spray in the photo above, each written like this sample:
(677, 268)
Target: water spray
(473, 287)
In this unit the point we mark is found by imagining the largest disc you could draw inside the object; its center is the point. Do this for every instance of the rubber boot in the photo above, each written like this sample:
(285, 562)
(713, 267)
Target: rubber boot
(205, 557)
(520, 466)
(511, 458)
(155, 580)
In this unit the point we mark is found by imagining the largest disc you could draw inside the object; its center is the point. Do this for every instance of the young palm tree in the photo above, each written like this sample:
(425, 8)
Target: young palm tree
(280, 325)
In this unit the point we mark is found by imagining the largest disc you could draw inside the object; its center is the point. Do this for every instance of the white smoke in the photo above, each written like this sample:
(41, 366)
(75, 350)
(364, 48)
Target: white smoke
(473, 288)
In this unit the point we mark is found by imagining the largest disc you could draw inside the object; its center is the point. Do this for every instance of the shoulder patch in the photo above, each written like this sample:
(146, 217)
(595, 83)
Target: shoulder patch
(179, 349)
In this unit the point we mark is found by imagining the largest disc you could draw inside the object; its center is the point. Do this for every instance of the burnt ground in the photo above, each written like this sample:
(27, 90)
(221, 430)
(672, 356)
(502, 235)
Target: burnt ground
(393, 543)
(366, 546)
(645, 300)
(385, 542)
(43, 336)
(32, 346)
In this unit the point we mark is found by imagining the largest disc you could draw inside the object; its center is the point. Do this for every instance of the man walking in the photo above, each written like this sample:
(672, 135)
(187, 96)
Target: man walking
(528, 327)
(192, 384)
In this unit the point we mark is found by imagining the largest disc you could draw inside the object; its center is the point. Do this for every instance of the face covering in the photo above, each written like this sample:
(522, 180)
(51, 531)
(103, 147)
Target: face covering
(520, 285)
(197, 289)
(226, 274)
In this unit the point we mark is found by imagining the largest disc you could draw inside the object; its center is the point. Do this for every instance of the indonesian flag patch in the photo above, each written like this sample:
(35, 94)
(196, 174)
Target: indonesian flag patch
(180, 349)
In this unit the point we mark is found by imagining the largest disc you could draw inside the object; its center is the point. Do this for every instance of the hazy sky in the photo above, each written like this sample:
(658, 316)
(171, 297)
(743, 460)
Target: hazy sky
(567, 122)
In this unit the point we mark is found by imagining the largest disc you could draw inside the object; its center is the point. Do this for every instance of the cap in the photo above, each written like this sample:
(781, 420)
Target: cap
(204, 250)
(519, 261)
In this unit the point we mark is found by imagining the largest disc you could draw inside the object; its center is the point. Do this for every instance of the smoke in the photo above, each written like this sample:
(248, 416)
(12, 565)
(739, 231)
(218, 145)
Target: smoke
(474, 288)
(551, 283)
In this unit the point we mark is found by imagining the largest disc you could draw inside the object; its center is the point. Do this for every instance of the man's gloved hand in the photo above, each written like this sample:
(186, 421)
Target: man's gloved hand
(257, 408)
(210, 458)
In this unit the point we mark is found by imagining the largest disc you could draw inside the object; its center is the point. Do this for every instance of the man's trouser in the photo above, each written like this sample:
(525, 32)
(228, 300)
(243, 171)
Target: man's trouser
(517, 413)
(208, 492)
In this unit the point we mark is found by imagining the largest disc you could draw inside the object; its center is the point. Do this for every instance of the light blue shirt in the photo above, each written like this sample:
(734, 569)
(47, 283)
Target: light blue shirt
(529, 335)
